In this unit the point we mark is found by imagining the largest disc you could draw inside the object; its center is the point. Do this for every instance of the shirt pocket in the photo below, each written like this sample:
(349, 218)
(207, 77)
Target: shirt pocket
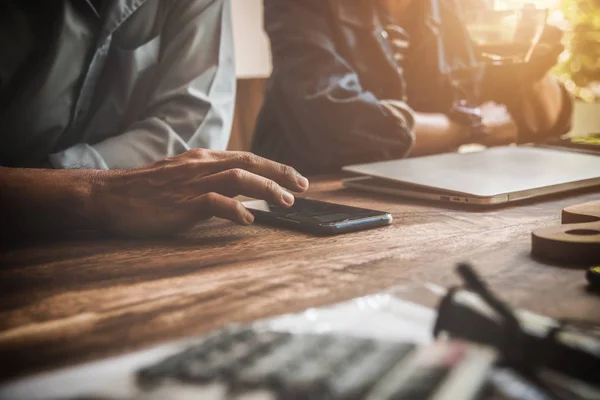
(140, 58)
(134, 72)
(123, 91)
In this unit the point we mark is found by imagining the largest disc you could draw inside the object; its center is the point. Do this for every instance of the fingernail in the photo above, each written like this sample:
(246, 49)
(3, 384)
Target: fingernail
(303, 182)
(288, 198)
(249, 218)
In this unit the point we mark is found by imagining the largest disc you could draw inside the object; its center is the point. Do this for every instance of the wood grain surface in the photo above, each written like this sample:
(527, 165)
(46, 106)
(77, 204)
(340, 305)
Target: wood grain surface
(71, 300)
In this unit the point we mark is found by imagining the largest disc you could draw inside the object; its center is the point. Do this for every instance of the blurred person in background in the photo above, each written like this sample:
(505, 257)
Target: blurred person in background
(142, 88)
(353, 82)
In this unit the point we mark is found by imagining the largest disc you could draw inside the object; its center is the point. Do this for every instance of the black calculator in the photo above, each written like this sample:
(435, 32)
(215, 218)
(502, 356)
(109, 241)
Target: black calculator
(246, 363)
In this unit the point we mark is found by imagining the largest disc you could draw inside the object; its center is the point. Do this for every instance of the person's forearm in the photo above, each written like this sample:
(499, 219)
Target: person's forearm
(542, 104)
(436, 133)
(41, 202)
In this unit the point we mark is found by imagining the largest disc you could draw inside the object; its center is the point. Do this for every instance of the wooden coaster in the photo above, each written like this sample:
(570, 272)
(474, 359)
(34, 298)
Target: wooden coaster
(577, 241)
(579, 214)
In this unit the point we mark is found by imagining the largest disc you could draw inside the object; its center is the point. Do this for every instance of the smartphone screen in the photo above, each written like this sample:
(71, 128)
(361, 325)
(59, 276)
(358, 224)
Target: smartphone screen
(318, 216)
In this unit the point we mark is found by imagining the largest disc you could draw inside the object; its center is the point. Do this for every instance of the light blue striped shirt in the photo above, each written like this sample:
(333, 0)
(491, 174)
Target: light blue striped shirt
(161, 81)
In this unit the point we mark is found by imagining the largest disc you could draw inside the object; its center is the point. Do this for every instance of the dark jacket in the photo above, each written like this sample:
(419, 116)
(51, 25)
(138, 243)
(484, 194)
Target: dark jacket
(335, 69)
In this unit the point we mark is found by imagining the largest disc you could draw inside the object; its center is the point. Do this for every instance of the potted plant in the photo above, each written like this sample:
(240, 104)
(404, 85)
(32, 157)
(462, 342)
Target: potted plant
(579, 68)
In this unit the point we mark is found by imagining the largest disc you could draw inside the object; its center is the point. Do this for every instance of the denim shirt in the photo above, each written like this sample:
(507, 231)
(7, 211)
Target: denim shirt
(158, 80)
(347, 80)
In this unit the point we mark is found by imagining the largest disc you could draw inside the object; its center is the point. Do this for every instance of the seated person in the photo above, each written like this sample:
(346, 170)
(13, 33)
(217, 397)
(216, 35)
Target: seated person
(127, 86)
(354, 83)
(113, 84)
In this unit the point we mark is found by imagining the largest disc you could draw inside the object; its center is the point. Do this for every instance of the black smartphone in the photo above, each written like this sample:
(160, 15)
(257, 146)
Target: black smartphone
(318, 217)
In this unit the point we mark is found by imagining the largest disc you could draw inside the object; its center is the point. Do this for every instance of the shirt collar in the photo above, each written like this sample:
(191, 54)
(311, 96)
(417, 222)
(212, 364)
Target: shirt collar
(116, 12)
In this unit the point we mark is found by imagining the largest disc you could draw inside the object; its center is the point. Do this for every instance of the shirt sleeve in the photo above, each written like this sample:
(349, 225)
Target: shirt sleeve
(340, 121)
(191, 103)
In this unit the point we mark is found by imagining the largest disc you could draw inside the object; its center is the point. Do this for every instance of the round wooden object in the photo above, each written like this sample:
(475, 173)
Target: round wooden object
(576, 243)
(587, 212)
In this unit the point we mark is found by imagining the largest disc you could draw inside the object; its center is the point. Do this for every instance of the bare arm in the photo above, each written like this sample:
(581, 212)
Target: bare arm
(542, 104)
(39, 201)
(163, 198)
(543, 107)
(436, 133)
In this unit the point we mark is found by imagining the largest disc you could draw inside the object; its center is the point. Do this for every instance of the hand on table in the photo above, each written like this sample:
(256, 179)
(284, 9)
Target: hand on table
(172, 195)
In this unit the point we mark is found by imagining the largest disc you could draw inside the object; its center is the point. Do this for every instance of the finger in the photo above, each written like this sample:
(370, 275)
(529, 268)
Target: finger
(218, 161)
(284, 175)
(238, 181)
(217, 205)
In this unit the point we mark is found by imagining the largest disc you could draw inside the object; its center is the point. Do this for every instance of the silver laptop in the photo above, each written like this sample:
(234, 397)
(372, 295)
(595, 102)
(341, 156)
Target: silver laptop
(494, 176)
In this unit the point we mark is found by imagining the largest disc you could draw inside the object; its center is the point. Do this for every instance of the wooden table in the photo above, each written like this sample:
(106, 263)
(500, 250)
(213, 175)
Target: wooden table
(68, 301)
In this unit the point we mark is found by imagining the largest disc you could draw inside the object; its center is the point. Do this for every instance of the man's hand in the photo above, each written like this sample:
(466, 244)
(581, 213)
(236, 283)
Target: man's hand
(172, 195)
(500, 128)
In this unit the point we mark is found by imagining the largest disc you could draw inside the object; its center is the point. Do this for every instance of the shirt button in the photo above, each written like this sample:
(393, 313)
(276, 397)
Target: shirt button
(384, 34)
